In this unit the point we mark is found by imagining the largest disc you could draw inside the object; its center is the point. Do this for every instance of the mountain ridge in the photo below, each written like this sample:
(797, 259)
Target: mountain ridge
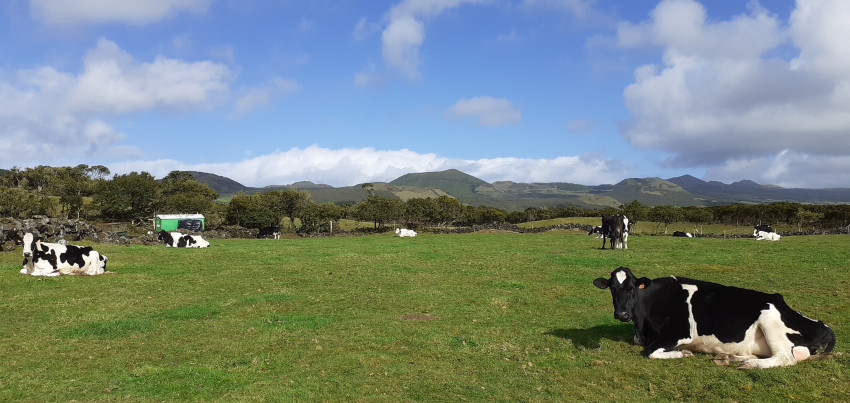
(684, 190)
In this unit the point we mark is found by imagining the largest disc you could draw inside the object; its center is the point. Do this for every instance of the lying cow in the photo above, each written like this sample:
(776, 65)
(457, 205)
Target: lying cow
(402, 232)
(770, 236)
(597, 230)
(673, 316)
(680, 234)
(178, 240)
(54, 259)
(269, 232)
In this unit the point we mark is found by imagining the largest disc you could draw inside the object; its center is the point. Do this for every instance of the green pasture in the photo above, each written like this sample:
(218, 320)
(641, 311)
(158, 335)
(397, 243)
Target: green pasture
(466, 317)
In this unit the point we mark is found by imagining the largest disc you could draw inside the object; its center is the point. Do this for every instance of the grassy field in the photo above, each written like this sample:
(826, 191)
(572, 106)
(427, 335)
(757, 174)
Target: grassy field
(481, 317)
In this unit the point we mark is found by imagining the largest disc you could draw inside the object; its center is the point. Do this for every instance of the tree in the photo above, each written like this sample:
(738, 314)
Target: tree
(127, 197)
(16, 202)
(320, 217)
(421, 210)
(635, 211)
(449, 209)
(698, 216)
(806, 217)
(666, 215)
(378, 209)
(286, 203)
(180, 192)
(249, 211)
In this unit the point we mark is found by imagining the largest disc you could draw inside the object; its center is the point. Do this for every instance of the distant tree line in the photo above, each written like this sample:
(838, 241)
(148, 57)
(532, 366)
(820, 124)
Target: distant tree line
(88, 192)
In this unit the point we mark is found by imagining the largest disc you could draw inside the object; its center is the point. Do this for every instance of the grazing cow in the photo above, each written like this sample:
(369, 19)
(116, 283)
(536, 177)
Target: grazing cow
(178, 240)
(770, 236)
(673, 316)
(616, 228)
(53, 259)
(765, 228)
(273, 232)
(405, 232)
(681, 234)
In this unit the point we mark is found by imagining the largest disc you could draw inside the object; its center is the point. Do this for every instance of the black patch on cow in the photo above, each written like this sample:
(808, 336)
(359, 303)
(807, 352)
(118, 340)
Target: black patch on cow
(710, 299)
(185, 241)
(73, 255)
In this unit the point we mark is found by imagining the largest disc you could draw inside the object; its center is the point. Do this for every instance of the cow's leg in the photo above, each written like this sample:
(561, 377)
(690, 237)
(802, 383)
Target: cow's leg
(776, 336)
(664, 354)
(664, 349)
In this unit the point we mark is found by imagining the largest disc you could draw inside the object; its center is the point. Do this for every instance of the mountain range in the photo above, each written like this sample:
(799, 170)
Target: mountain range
(679, 191)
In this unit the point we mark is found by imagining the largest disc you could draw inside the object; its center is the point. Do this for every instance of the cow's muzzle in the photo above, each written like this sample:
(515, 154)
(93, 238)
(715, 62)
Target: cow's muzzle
(622, 316)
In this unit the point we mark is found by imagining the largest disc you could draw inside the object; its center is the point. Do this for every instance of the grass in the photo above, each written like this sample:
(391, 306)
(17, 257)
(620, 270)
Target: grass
(487, 316)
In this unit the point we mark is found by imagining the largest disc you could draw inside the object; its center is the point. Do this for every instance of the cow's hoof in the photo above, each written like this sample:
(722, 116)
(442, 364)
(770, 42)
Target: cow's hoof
(747, 365)
(687, 353)
(722, 359)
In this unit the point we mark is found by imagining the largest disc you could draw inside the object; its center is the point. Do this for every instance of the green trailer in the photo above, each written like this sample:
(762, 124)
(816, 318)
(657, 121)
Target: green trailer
(171, 222)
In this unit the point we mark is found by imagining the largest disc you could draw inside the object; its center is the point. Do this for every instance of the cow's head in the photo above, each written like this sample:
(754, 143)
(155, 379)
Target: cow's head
(30, 244)
(164, 236)
(624, 287)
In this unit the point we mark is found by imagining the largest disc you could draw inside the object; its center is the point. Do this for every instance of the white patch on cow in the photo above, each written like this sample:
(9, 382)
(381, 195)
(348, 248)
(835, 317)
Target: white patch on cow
(662, 354)
(621, 276)
(625, 244)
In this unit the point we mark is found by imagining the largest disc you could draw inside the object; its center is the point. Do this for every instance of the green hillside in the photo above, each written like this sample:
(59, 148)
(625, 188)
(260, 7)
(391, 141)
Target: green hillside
(680, 191)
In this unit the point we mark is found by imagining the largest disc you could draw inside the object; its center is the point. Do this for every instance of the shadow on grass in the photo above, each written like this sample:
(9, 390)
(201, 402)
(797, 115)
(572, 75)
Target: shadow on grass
(590, 338)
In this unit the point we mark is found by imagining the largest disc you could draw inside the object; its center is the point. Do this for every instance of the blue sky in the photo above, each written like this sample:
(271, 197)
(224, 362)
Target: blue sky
(346, 92)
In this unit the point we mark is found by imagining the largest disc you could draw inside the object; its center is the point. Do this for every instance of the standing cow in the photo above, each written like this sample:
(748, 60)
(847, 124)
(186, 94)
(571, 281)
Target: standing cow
(673, 316)
(616, 229)
(178, 240)
(53, 259)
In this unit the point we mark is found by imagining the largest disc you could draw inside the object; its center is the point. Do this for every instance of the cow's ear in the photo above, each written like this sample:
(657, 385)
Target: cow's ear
(643, 282)
(601, 283)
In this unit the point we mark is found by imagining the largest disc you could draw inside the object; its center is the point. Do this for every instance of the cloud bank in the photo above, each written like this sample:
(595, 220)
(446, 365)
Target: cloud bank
(50, 115)
(352, 166)
(722, 99)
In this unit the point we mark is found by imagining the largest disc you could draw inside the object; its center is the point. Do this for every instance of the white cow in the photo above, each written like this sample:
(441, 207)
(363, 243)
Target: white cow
(402, 232)
(53, 259)
(770, 236)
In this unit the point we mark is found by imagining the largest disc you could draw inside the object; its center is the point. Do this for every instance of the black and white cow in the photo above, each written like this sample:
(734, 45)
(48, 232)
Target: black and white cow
(680, 234)
(616, 229)
(178, 240)
(673, 316)
(53, 259)
(269, 232)
(765, 232)
(597, 230)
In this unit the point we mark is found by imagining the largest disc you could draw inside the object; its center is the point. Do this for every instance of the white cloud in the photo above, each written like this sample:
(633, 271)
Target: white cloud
(63, 12)
(717, 100)
(53, 116)
(350, 166)
(405, 32)
(489, 111)
(112, 82)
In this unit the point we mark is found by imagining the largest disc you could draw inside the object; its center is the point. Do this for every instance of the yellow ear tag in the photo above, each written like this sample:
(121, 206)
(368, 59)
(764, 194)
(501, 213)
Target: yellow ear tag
(642, 286)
